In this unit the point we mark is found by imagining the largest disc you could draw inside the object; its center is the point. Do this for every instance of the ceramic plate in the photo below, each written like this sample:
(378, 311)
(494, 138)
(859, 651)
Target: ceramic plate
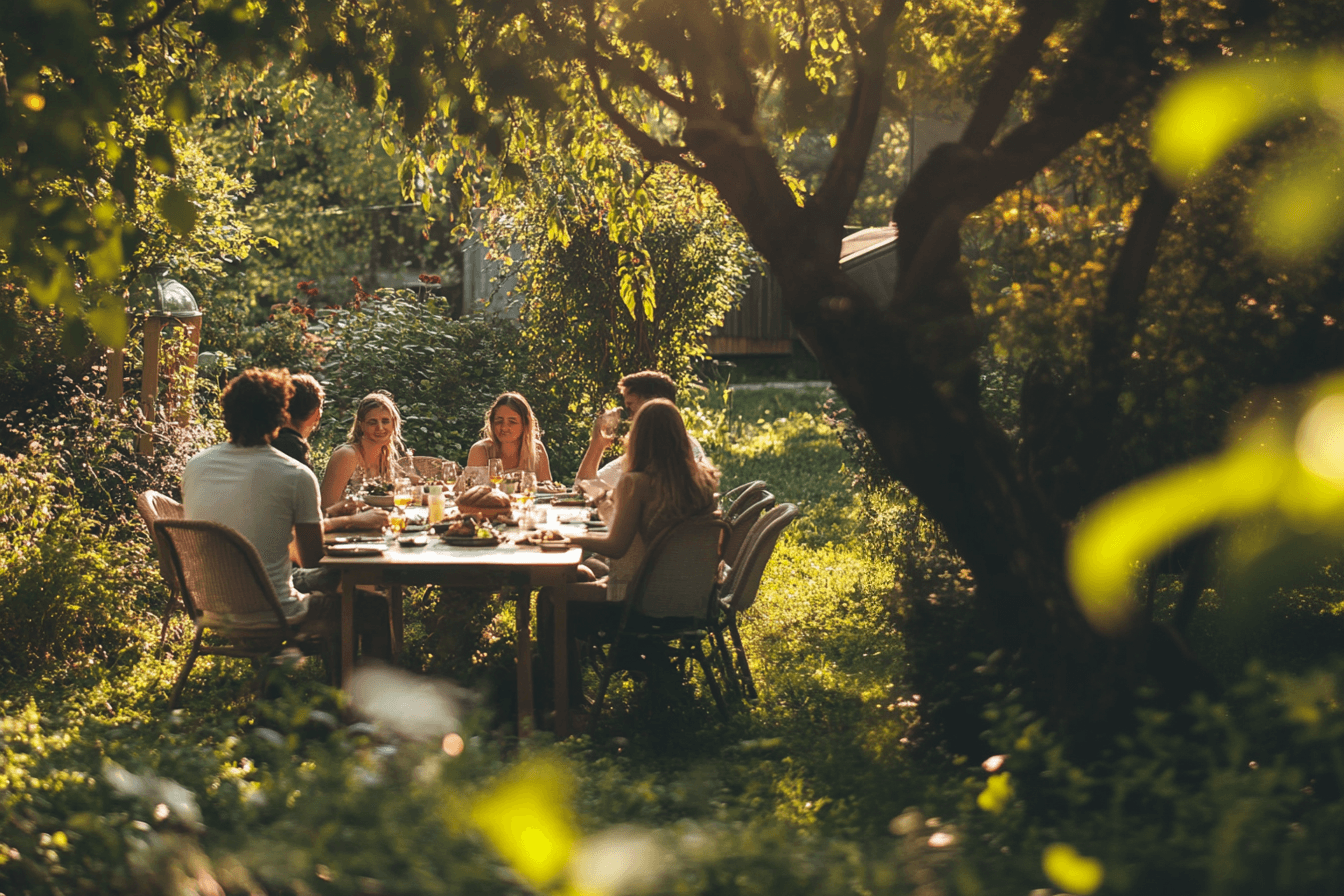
(356, 550)
(470, 542)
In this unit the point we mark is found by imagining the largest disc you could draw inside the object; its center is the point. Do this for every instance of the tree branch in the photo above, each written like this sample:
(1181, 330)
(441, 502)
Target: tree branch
(164, 14)
(652, 149)
(1014, 61)
(844, 174)
(1112, 66)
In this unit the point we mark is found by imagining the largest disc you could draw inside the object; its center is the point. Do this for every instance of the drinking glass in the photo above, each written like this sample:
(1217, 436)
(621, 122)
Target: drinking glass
(396, 521)
(496, 469)
(403, 493)
(609, 421)
(355, 487)
(527, 488)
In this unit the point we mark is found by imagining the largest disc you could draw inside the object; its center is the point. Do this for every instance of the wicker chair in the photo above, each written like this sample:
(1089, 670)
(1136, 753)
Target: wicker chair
(223, 579)
(739, 591)
(155, 506)
(672, 598)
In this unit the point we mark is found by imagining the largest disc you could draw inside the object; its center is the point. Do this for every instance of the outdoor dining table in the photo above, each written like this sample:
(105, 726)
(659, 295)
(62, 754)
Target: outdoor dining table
(511, 569)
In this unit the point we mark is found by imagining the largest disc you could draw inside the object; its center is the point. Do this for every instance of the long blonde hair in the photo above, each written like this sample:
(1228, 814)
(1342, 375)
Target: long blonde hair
(378, 399)
(660, 447)
(527, 451)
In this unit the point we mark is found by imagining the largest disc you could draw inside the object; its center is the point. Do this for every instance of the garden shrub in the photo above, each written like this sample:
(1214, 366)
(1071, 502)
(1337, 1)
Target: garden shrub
(1240, 795)
(64, 585)
(587, 320)
(443, 373)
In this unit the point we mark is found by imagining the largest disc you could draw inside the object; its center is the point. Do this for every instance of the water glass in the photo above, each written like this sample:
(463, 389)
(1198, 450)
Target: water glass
(527, 488)
(403, 493)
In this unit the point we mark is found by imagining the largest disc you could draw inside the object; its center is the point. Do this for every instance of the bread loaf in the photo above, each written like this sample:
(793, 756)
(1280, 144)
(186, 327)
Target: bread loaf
(483, 496)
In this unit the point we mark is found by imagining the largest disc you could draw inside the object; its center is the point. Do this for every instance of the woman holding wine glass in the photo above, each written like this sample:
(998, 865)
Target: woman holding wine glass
(511, 437)
(371, 450)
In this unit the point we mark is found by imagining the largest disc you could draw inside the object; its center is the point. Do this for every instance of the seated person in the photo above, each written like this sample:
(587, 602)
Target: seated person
(371, 450)
(511, 434)
(303, 415)
(664, 484)
(272, 500)
(636, 389)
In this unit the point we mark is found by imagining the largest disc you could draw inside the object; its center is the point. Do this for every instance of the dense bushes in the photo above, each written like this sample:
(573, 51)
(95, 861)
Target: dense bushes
(444, 373)
(64, 586)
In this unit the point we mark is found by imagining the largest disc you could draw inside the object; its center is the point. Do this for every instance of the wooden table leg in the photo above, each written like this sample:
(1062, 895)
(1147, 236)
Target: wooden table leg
(347, 629)
(523, 608)
(395, 599)
(560, 685)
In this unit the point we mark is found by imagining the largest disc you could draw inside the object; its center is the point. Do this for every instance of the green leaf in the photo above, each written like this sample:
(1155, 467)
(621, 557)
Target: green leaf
(177, 209)
(159, 150)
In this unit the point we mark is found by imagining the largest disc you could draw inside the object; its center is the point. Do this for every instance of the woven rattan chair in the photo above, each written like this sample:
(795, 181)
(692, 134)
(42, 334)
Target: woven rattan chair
(155, 506)
(224, 582)
(739, 591)
(671, 599)
(428, 467)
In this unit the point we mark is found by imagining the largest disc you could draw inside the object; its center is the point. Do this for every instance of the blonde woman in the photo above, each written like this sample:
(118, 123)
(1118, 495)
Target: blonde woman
(511, 434)
(372, 447)
(663, 484)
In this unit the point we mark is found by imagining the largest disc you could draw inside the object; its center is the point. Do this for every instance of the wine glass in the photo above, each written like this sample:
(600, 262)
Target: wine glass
(527, 488)
(496, 468)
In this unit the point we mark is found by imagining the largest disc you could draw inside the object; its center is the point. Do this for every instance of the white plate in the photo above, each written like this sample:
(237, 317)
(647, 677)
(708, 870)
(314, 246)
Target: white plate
(356, 550)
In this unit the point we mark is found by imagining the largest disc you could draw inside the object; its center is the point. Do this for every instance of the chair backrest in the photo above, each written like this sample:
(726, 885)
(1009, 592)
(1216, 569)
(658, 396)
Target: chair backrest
(740, 589)
(680, 570)
(742, 522)
(428, 467)
(729, 498)
(747, 495)
(155, 506)
(223, 578)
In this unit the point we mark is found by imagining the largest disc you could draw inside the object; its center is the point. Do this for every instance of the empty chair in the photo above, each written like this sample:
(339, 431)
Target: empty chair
(739, 591)
(428, 467)
(730, 497)
(154, 506)
(225, 589)
(742, 517)
(672, 599)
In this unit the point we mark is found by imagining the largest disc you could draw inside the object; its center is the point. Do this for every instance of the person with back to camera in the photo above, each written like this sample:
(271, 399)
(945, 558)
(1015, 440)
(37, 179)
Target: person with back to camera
(372, 449)
(663, 484)
(511, 434)
(272, 500)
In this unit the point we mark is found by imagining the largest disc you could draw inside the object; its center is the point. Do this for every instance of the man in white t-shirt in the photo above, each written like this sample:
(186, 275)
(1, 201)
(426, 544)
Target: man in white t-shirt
(636, 388)
(271, 499)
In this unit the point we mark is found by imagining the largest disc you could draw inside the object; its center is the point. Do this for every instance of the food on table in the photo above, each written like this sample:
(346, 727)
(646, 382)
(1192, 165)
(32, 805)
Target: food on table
(483, 496)
(378, 489)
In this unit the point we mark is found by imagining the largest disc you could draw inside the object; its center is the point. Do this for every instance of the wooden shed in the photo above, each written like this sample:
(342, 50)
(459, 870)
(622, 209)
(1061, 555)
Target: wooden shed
(759, 324)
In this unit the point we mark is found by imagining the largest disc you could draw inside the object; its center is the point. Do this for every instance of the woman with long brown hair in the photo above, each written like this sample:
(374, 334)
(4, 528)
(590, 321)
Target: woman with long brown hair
(511, 434)
(663, 484)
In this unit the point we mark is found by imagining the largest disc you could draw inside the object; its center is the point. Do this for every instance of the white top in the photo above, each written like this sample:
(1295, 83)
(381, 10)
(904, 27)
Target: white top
(261, 493)
(611, 472)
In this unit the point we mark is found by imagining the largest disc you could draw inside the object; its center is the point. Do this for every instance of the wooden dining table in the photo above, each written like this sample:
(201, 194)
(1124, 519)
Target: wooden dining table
(515, 571)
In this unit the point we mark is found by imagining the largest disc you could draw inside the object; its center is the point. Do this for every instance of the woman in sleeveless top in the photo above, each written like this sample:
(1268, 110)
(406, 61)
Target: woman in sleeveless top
(511, 433)
(663, 484)
(372, 448)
